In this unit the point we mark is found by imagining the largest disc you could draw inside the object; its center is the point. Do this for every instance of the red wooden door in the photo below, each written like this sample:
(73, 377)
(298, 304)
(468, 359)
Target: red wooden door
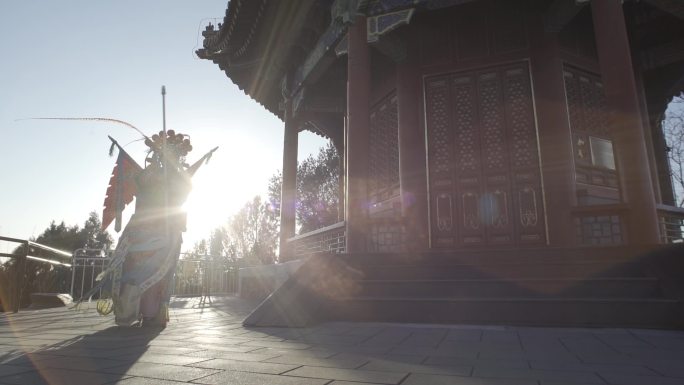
(484, 180)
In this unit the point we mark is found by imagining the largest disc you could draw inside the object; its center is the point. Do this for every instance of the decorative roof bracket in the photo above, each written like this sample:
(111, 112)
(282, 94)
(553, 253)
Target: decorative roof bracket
(297, 100)
(343, 46)
(382, 24)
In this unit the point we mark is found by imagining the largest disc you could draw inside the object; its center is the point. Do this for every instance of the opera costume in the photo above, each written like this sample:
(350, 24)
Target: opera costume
(140, 274)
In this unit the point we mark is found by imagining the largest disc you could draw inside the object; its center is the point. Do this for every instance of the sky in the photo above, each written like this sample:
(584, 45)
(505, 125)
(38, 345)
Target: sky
(84, 58)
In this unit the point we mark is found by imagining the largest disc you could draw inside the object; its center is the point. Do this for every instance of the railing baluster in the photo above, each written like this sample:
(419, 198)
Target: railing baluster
(326, 239)
(671, 223)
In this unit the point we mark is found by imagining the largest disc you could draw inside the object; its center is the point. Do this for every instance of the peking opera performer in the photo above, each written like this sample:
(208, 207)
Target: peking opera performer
(142, 268)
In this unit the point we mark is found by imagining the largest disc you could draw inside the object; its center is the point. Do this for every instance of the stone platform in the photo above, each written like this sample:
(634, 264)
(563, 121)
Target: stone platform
(205, 343)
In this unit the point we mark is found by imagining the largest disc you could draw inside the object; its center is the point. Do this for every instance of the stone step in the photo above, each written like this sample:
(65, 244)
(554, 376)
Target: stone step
(614, 255)
(510, 270)
(575, 312)
(594, 287)
(498, 288)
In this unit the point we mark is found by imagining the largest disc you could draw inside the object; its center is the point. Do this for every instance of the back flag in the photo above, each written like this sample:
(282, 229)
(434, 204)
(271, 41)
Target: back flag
(121, 190)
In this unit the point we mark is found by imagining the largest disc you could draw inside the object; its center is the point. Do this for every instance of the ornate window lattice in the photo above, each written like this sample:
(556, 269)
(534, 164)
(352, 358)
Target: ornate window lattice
(464, 125)
(591, 139)
(384, 150)
(437, 95)
(523, 135)
(493, 129)
(586, 104)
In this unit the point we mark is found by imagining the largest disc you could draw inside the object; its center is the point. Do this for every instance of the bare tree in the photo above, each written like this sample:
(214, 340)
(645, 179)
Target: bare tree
(318, 179)
(253, 233)
(673, 128)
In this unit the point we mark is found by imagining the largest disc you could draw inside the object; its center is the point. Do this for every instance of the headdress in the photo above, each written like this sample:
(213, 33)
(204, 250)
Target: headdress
(171, 146)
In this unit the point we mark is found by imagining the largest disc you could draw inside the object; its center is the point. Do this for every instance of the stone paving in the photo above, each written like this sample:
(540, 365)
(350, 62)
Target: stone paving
(206, 344)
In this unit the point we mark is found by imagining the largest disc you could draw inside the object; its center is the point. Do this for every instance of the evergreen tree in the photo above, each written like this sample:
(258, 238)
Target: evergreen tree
(41, 277)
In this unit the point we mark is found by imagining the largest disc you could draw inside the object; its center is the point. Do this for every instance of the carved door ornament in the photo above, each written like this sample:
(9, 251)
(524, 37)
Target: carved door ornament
(581, 148)
(499, 209)
(528, 207)
(444, 222)
(471, 211)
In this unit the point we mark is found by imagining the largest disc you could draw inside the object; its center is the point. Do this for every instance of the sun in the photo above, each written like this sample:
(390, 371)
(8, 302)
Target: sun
(235, 174)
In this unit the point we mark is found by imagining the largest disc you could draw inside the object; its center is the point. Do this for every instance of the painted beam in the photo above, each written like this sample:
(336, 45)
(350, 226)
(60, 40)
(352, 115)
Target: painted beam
(674, 7)
(663, 55)
(561, 12)
(344, 12)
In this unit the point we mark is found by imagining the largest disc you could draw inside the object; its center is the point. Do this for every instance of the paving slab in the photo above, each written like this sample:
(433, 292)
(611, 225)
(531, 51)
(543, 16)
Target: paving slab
(147, 381)
(7, 370)
(428, 379)
(349, 383)
(246, 366)
(161, 371)
(237, 356)
(245, 378)
(88, 364)
(344, 362)
(478, 362)
(349, 374)
(390, 366)
(167, 359)
(538, 374)
(634, 370)
(623, 379)
(59, 377)
(298, 353)
(208, 345)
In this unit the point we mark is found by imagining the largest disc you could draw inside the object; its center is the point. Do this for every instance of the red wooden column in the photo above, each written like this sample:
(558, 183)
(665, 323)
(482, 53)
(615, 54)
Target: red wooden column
(412, 168)
(555, 139)
(617, 74)
(646, 124)
(358, 127)
(288, 192)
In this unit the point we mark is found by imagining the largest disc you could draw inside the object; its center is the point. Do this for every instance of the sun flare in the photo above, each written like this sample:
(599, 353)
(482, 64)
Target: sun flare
(235, 174)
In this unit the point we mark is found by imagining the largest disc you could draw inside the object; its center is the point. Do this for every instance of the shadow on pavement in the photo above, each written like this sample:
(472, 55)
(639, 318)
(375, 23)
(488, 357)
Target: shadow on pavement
(99, 358)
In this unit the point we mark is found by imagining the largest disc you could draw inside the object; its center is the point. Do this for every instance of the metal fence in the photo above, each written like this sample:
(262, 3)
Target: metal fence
(205, 275)
(196, 275)
(86, 265)
(28, 250)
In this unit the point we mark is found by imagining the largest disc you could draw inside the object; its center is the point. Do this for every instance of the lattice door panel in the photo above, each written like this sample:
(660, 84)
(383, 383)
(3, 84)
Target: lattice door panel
(483, 159)
(439, 122)
(384, 150)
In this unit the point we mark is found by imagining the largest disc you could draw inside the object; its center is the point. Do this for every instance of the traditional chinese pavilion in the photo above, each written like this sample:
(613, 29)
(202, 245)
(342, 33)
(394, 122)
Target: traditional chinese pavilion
(484, 142)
